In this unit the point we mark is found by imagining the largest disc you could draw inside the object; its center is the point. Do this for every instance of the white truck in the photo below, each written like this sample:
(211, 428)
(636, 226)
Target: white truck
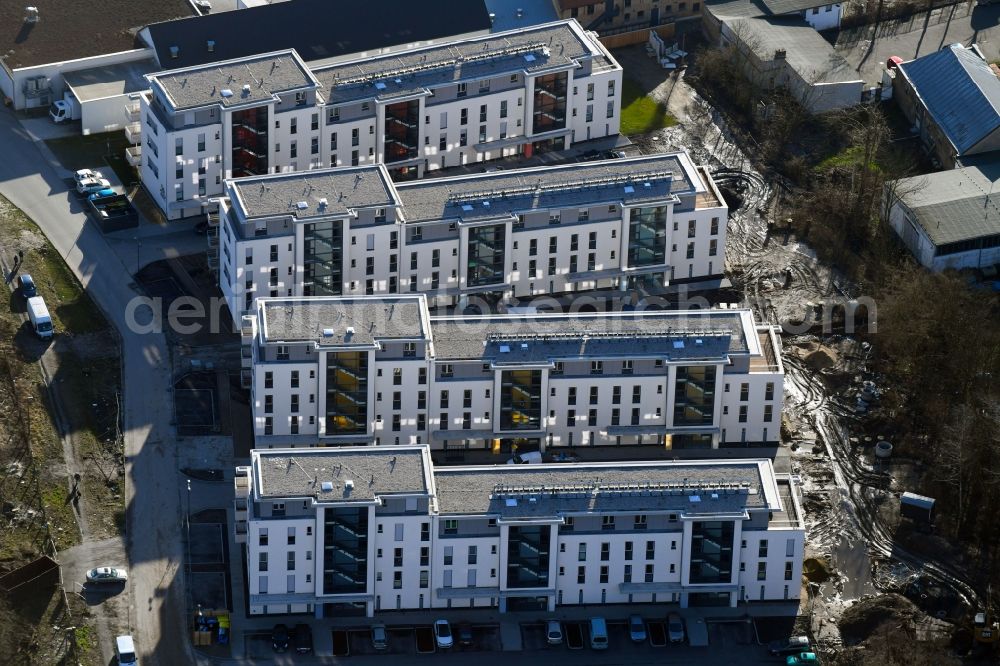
(38, 314)
(67, 108)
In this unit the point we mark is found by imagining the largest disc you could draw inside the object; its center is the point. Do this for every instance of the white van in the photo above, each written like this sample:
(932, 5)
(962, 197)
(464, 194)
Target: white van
(598, 634)
(38, 314)
(125, 651)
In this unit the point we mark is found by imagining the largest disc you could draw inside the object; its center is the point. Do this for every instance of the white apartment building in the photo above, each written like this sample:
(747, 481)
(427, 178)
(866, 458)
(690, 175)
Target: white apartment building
(470, 100)
(618, 224)
(380, 370)
(358, 530)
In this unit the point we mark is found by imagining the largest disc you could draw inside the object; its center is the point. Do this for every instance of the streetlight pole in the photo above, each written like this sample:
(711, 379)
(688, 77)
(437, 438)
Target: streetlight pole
(188, 523)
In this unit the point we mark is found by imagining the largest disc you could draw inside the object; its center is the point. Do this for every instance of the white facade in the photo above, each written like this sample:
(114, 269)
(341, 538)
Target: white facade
(981, 249)
(376, 110)
(579, 236)
(715, 379)
(824, 17)
(450, 537)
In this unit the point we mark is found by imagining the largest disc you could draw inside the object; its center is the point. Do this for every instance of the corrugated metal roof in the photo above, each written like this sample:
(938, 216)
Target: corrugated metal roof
(960, 91)
(953, 206)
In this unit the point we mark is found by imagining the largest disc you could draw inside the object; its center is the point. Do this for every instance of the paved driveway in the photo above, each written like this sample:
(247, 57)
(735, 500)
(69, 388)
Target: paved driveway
(868, 47)
(152, 490)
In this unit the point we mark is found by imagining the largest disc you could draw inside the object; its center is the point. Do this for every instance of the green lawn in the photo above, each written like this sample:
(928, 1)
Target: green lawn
(848, 158)
(640, 113)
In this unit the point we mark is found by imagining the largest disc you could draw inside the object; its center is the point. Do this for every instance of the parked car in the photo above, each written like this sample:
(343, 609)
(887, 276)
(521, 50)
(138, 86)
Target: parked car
(793, 645)
(125, 651)
(598, 634)
(553, 632)
(27, 285)
(636, 629)
(303, 639)
(802, 659)
(100, 194)
(675, 628)
(279, 638)
(526, 458)
(465, 634)
(91, 185)
(380, 639)
(442, 634)
(39, 317)
(107, 575)
(87, 174)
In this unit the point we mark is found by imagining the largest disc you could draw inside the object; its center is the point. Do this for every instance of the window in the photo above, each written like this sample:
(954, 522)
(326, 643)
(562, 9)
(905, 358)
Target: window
(451, 527)
(762, 549)
(268, 380)
(743, 413)
(397, 580)
(582, 552)
(761, 570)
(640, 522)
(473, 555)
(744, 392)
(649, 573)
(611, 88)
(605, 551)
(291, 560)
(581, 575)
(768, 412)
(636, 394)
(769, 391)
(262, 536)
(597, 367)
(611, 110)
(650, 550)
(424, 579)
(449, 554)
(262, 562)
(607, 523)
(461, 92)
(397, 557)
(788, 570)
(628, 573)
(604, 573)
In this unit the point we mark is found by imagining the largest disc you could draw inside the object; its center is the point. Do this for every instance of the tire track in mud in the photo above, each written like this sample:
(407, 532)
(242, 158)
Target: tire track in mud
(760, 267)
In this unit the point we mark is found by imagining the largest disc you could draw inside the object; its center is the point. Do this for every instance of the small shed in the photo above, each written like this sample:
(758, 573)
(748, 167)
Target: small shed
(916, 507)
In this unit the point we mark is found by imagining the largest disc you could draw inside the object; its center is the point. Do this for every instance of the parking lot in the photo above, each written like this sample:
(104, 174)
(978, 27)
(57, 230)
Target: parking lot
(729, 642)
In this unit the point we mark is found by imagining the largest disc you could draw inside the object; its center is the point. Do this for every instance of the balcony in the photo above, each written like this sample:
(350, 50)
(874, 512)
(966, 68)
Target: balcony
(133, 133)
(132, 112)
(133, 155)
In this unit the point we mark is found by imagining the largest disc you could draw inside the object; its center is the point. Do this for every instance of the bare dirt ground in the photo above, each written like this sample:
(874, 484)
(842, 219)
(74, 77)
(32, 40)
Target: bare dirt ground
(850, 497)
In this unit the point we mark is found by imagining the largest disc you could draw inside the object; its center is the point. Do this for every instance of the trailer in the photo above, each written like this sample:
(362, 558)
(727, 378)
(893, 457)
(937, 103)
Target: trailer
(916, 507)
(113, 213)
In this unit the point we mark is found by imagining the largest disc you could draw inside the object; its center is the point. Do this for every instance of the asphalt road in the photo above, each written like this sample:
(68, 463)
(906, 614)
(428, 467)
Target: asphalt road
(867, 48)
(154, 521)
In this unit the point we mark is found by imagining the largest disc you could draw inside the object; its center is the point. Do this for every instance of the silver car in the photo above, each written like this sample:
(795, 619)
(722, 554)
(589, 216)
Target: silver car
(675, 628)
(553, 632)
(107, 575)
